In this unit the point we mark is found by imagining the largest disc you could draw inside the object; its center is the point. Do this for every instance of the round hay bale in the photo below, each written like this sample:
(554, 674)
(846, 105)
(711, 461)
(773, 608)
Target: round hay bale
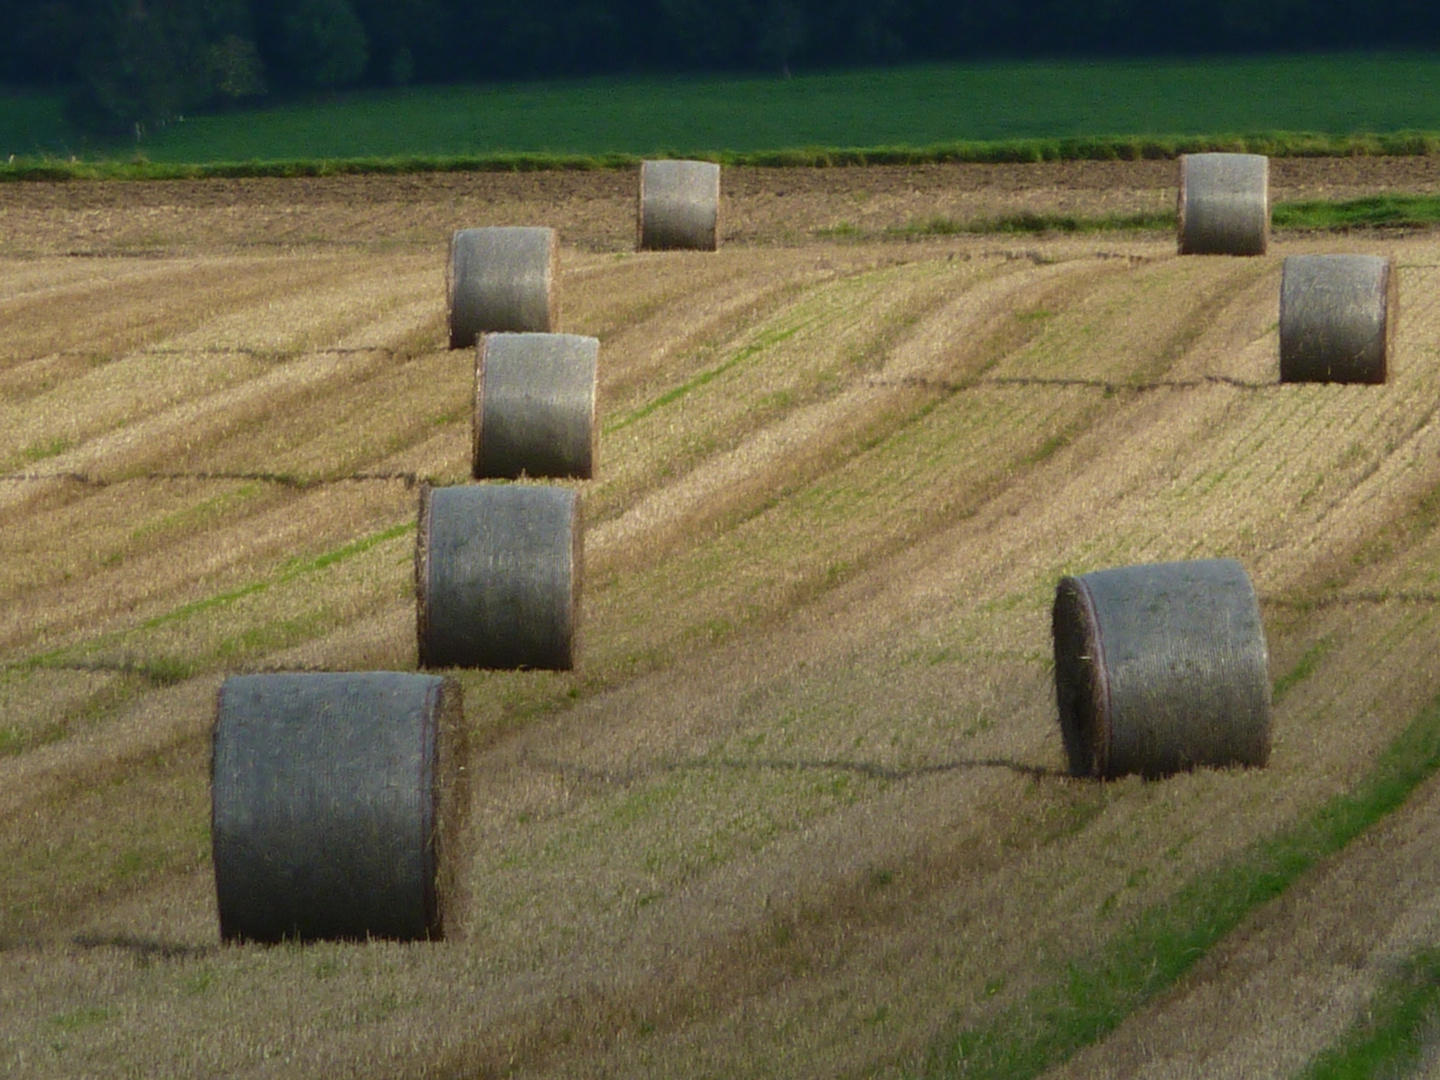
(1224, 204)
(502, 278)
(497, 576)
(1161, 668)
(534, 406)
(1338, 315)
(337, 801)
(679, 205)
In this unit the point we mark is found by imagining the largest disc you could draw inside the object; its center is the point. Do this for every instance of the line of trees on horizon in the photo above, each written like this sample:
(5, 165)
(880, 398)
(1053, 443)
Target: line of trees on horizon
(128, 62)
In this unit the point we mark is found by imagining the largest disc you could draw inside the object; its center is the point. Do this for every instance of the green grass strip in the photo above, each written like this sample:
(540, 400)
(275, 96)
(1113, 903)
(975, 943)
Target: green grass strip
(1029, 222)
(1388, 1041)
(760, 344)
(289, 571)
(1374, 211)
(1099, 991)
(1401, 211)
(168, 671)
(998, 151)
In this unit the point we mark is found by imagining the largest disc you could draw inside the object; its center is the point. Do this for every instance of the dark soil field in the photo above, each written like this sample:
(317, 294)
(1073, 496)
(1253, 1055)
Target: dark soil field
(800, 811)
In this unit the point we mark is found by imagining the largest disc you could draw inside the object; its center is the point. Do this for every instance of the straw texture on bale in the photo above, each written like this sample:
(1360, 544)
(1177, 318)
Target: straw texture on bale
(1338, 315)
(1161, 668)
(502, 278)
(497, 577)
(534, 406)
(337, 802)
(679, 205)
(1224, 204)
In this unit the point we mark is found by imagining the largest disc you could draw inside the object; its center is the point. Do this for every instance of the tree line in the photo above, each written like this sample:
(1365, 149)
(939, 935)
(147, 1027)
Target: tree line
(126, 62)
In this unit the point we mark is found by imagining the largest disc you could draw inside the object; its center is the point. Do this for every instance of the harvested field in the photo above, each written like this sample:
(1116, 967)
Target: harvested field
(799, 810)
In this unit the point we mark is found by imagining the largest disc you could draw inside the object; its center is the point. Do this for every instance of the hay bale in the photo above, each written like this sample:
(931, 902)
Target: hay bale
(337, 801)
(502, 278)
(534, 406)
(1338, 315)
(679, 205)
(1161, 668)
(497, 576)
(1224, 204)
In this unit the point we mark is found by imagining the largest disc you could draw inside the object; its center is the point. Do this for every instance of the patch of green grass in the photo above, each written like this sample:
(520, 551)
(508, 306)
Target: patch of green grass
(1388, 1039)
(46, 450)
(1097, 992)
(986, 111)
(1393, 210)
(292, 569)
(1029, 222)
(82, 1018)
(1303, 669)
(762, 342)
(166, 671)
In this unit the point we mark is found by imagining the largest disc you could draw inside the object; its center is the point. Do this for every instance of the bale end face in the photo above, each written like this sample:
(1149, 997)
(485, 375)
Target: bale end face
(1080, 689)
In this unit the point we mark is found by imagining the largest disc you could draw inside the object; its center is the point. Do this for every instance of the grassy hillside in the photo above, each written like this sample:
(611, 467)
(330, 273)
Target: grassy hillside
(904, 106)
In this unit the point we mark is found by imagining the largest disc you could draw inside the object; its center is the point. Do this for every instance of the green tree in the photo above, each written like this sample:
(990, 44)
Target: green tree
(324, 43)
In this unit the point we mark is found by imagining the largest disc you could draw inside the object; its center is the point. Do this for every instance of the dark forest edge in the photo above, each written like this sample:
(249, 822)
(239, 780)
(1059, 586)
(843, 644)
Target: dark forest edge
(1006, 151)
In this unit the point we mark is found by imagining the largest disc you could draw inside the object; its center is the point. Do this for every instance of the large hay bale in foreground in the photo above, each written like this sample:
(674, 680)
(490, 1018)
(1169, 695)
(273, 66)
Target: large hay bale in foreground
(1161, 668)
(497, 576)
(502, 278)
(1224, 204)
(1338, 315)
(534, 406)
(679, 205)
(337, 801)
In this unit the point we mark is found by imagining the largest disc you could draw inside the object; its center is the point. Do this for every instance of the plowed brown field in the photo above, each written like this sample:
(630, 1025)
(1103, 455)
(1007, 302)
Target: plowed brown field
(801, 810)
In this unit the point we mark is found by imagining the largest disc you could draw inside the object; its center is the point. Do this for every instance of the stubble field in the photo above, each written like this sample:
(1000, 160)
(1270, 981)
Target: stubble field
(800, 810)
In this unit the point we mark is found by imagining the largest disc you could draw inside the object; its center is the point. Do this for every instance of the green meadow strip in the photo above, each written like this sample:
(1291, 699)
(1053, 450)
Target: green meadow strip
(1096, 993)
(1001, 151)
(288, 572)
(1034, 223)
(760, 344)
(1398, 211)
(1374, 211)
(1389, 1039)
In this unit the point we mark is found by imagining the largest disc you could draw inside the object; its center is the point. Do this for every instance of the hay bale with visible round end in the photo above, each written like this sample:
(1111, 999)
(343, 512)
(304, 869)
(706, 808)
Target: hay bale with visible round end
(502, 278)
(1161, 668)
(1338, 315)
(497, 577)
(534, 406)
(1224, 204)
(337, 805)
(679, 205)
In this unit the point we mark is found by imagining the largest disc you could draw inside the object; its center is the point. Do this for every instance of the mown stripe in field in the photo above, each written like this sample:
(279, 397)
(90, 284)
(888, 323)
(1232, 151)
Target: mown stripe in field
(1096, 993)
(1390, 1038)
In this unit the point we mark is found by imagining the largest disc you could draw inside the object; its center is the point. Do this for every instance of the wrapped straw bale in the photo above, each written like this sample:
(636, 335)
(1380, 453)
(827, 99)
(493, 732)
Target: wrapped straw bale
(1224, 204)
(1161, 668)
(679, 205)
(497, 576)
(337, 804)
(1338, 315)
(502, 278)
(534, 406)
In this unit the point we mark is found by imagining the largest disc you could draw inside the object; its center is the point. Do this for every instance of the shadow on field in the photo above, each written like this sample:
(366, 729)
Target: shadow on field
(870, 770)
(144, 948)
